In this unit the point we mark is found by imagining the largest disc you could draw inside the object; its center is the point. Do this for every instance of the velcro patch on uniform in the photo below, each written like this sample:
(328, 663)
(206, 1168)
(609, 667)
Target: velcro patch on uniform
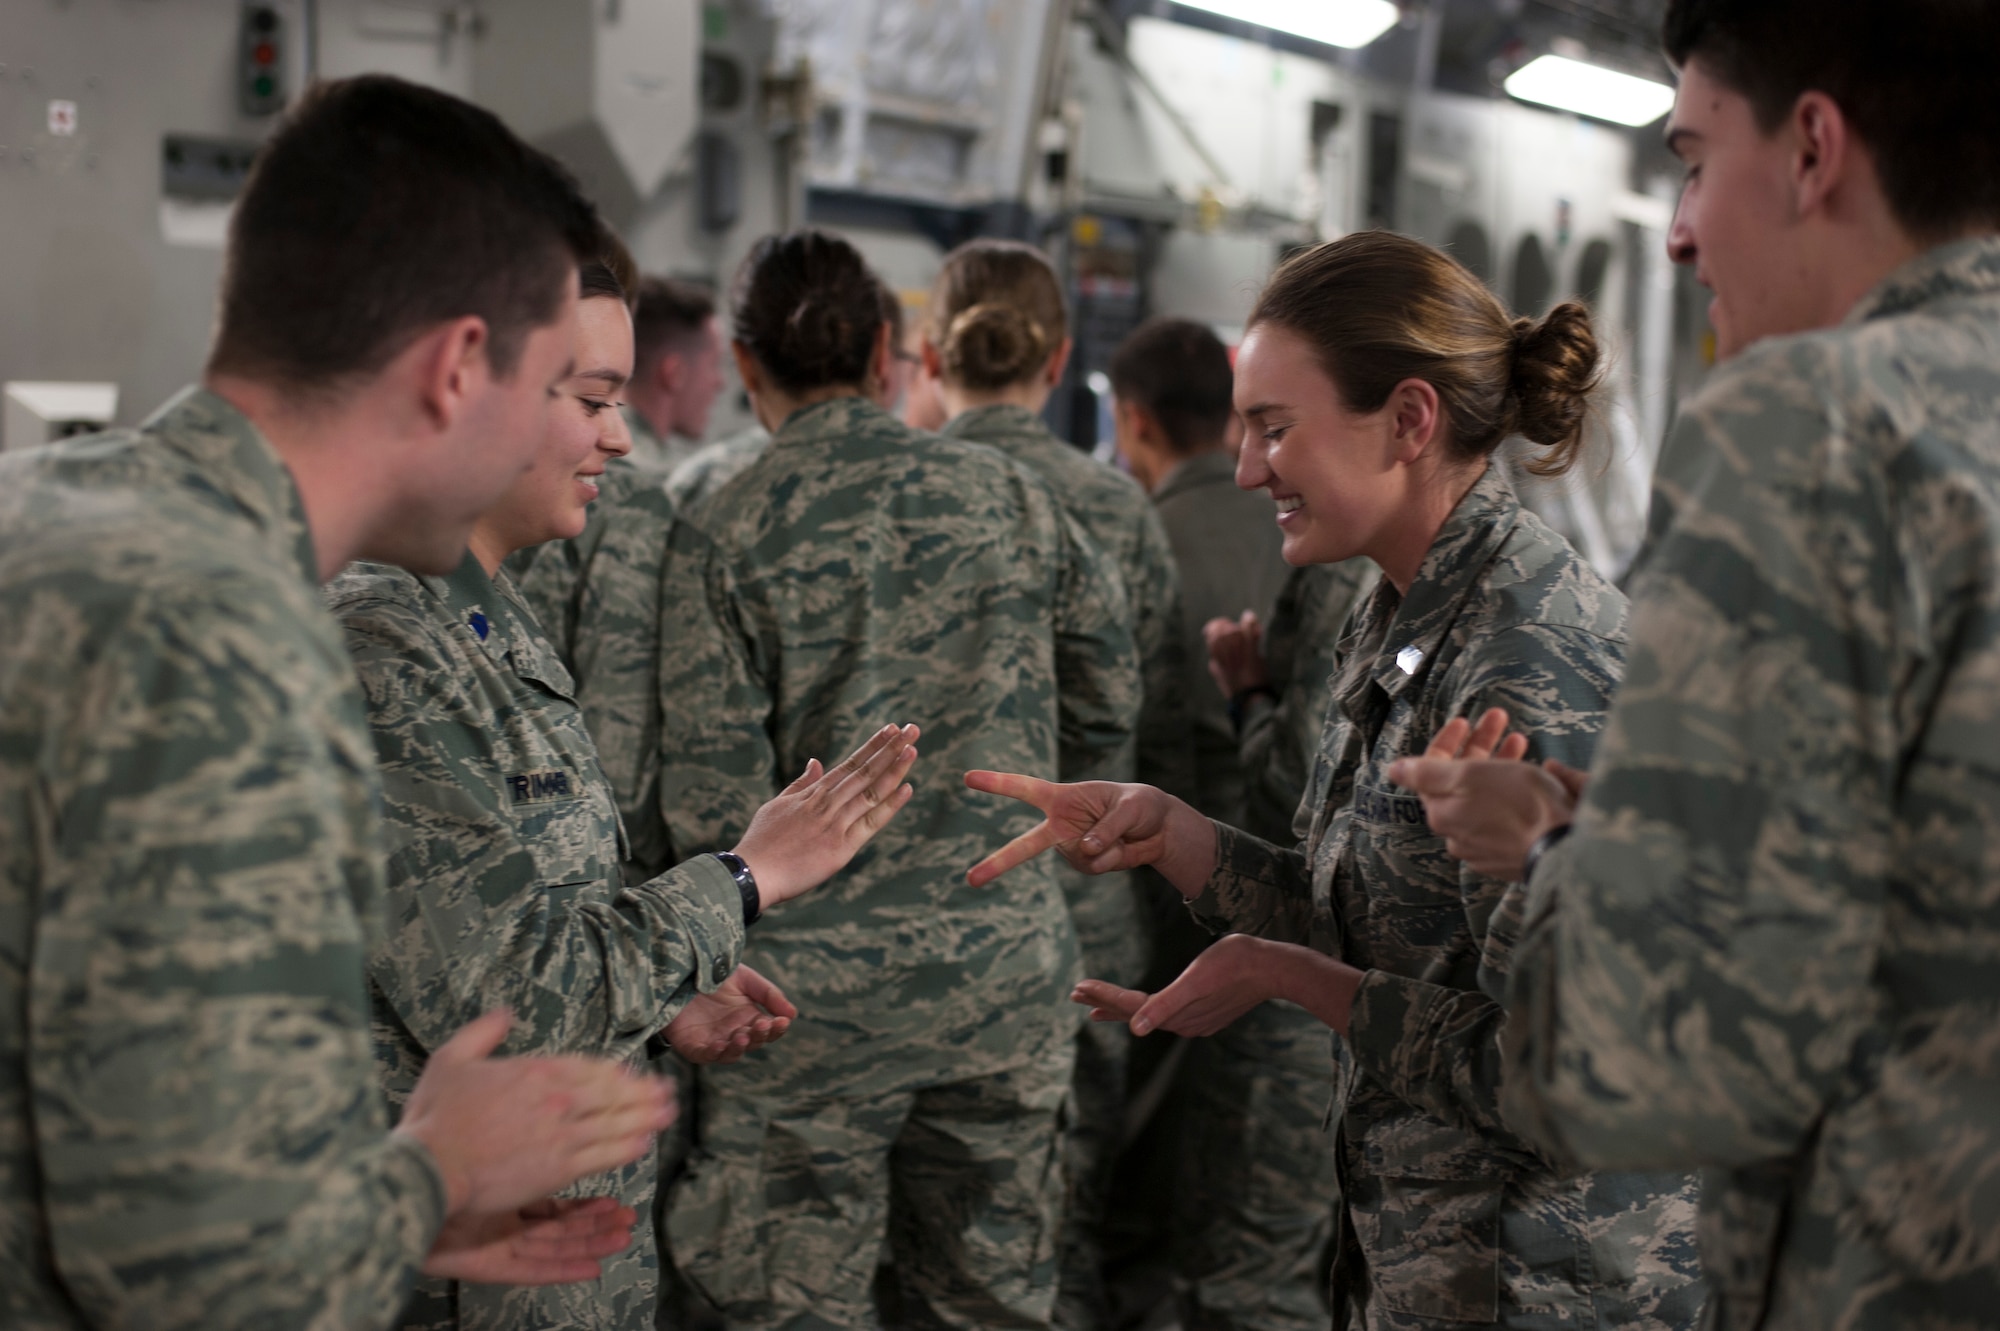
(1379, 806)
(542, 787)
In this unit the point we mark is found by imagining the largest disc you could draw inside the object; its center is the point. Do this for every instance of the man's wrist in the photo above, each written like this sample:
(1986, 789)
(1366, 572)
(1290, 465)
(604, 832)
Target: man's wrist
(746, 884)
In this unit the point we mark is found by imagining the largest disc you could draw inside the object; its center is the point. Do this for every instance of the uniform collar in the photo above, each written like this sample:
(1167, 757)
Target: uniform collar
(1198, 472)
(235, 459)
(1000, 420)
(1961, 268)
(1465, 545)
(821, 421)
(490, 612)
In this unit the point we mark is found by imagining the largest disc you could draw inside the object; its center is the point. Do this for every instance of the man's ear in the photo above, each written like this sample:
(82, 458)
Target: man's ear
(882, 359)
(670, 372)
(450, 367)
(933, 360)
(1415, 418)
(1823, 151)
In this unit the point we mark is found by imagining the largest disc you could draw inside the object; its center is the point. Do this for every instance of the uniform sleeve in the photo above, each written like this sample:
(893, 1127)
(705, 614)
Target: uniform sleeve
(1098, 684)
(1698, 959)
(1166, 755)
(718, 764)
(1437, 1046)
(1260, 889)
(616, 659)
(211, 1146)
(472, 921)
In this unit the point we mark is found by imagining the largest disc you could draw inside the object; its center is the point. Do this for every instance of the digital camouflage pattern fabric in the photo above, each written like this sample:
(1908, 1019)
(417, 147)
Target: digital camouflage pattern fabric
(860, 572)
(1769, 947)
(190, 1130)
(1115, 514)
(1254, 1212)
(504, 887)
(1301, 649)
(713, 466)
(1456, 1216)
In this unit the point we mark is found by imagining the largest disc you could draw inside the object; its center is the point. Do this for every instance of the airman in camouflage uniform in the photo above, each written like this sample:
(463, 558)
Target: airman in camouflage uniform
(1109, 914)
(713, 466)
(1768, 946)
(858, 569)
(190, 1133)
(1254, 1214)
(504, 886)
(1456, 1217)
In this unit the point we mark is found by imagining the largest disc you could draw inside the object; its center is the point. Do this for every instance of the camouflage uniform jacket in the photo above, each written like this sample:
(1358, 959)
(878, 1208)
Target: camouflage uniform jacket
(1280, 739)
(1116, 515)
(1769, 946)
(1459, 1218)
(553, 578)
(858, 573)
(503, 884)
(652, 456)
(190, 1130)
(713, 466)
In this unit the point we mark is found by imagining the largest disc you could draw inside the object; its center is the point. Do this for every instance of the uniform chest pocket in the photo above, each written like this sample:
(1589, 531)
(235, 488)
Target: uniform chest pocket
(560, 825)
(1402, 864)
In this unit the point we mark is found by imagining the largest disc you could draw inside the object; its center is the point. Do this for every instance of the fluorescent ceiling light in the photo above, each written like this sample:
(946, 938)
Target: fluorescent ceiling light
(1350, 23)
(1591, 90)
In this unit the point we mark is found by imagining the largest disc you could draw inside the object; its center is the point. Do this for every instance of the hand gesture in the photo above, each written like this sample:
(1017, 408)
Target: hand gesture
(1488, 805)
(1233, 975)
(549, 1243)
(1236, 653)
(507, 1132)
(1099, 826)
(745, 1012)
(815, 825)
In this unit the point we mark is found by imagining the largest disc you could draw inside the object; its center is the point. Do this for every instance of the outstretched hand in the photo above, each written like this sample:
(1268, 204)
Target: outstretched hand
(1234, 975)
(817, 824)
(1489, 806)
(744, 1012)
(1099, 826)
(551, 1242)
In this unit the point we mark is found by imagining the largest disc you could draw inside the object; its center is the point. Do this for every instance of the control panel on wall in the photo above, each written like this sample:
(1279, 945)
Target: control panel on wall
(260, 79)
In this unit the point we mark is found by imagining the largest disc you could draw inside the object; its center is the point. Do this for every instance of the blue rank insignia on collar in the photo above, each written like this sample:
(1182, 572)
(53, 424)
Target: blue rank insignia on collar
(479, 625)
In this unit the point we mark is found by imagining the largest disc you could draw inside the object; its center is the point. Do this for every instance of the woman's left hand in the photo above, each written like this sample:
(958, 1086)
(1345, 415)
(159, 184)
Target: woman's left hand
(744, 1012)
(1234, 975)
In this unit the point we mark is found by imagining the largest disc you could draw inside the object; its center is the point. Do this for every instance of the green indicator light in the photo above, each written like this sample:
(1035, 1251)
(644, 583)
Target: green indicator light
(263, 85)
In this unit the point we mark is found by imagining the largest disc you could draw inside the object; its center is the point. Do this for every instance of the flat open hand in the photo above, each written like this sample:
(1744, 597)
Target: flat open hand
(815, 825)
(1099, 826)
(744, 1012)
(1235, 974)
(548, 1243)
(1488, 805)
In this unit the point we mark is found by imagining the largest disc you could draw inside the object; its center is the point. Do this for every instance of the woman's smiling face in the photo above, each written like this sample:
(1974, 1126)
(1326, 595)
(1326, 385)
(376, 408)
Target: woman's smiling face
(1333, 473)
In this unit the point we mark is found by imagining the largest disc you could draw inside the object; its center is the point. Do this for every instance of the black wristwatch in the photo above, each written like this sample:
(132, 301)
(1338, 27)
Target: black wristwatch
(1239, 702)
(1542, 845)
(746, 883)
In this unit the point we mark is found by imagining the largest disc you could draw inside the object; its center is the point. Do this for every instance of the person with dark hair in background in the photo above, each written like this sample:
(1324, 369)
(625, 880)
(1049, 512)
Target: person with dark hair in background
(1376, 380)
(503, 825)
(191, 1130)
(996, 341)
(714, 465)
(1768, 946)
(678, 374)
(857, 570)
(1249, 1101)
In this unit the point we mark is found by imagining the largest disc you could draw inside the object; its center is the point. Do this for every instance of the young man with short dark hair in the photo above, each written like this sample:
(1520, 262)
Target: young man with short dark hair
(678, 355)
(191, 1130)
(1768, 944)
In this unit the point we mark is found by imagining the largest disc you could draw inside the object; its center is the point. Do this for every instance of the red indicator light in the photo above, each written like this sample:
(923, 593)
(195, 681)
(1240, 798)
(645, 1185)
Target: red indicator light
(265, 53)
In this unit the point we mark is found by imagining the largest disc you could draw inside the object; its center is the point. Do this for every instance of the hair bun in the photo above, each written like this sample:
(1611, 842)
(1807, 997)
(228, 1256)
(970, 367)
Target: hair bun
(990, 345)
(1555, 371)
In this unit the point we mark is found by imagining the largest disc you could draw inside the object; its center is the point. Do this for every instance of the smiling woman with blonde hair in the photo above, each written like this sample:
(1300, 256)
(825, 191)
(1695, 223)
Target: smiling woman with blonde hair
(1377, 378)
